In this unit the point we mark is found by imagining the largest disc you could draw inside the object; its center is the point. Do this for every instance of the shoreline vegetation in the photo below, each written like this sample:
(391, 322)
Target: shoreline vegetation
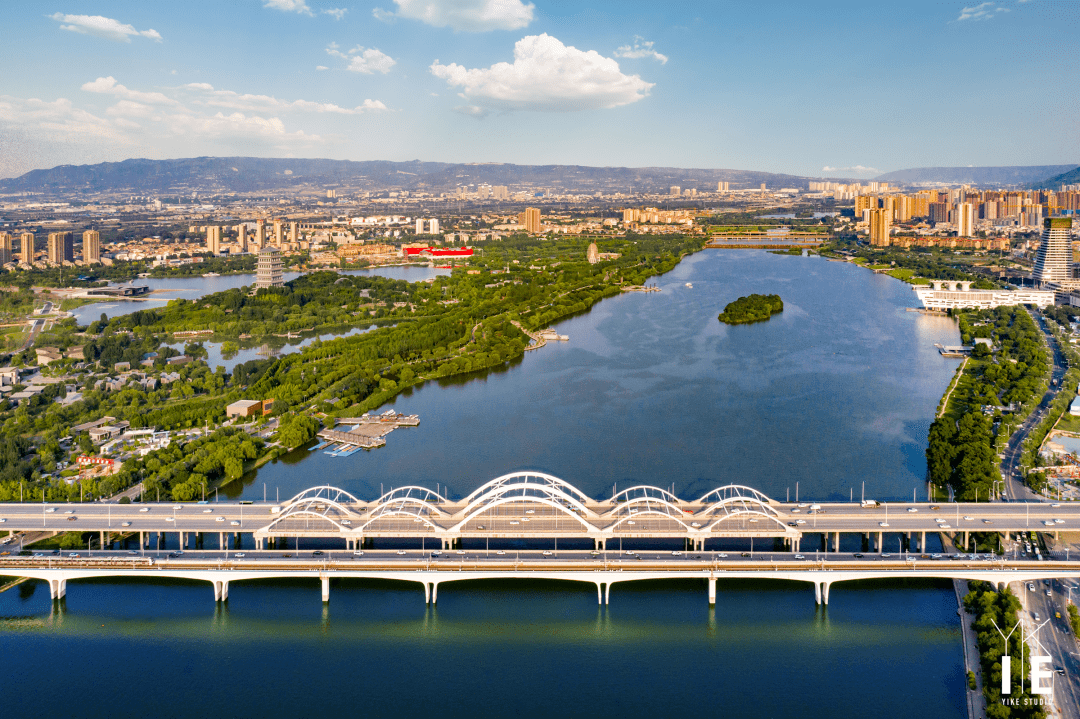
(446, 326)
(752, 308)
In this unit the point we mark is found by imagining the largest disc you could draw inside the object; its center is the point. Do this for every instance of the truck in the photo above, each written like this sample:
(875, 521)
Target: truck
(869, 503)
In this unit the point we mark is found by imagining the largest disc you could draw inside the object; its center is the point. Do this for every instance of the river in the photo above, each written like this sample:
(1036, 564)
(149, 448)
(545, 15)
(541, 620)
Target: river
(838, 389)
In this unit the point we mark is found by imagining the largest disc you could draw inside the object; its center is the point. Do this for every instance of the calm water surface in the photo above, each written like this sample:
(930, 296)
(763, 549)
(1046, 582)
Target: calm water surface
(838, 389)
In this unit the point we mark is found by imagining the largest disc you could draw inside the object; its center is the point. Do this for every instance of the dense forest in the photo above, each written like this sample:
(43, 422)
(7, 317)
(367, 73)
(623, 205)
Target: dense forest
(752, 308)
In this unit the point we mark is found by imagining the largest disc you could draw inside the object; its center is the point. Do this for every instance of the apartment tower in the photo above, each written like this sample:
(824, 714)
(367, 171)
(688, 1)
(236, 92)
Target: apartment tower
(1054, 260)
(91, 246)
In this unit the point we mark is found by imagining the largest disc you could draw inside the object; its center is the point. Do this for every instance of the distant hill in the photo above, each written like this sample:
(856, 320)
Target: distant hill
(1017, 175)
(247, 174)
(1072, 177)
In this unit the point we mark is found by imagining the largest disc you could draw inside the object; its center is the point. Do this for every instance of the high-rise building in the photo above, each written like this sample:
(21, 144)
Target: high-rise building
(530, 219)
(722, 186)
(260, 234)
(331, 194)
(241, 236)
(880, 221)
(27, 247)
(279, 234)
(294, 232)
(938, 212)
(268, 270)
(1054, 259)
(91, 246)
(965, 220)
(213, 239)
(501, 192)
(61, 247)
(5, 248)
(763, 189)
(675, 190)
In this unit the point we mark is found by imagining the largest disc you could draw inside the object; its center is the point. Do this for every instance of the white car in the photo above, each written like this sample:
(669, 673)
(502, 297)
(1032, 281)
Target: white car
(800, 521)
(912, 509)
(3, 519)
(883, 524)
(1049, 522)
(547, 553)
(500, 552)
(207, 511)
(178, 507)
(401, 552)
(1059, 521)
(799, 556)
(144, 509)
(968, 519)
(126, 524)
(358, 553)
(722, 555)
(676, 554)
(795, 511)
(346, 521)
(235, 523)
(219, 519)
(944, 526)
(50, 510)
(239, 555)
(168, 519)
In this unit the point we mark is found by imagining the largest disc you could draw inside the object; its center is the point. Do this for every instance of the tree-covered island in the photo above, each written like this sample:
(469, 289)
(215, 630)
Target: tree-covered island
(752, 308)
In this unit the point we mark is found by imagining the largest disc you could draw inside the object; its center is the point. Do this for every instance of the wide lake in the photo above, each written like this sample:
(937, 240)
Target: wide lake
(837, 390)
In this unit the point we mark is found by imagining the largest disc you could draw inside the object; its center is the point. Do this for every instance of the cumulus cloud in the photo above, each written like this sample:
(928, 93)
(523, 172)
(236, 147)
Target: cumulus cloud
(367, 61)
(383, 15)
(641, 48)
(207, 95)
(336, 13)
(471, 110)
(109, 86)
(321, 67)
(982, 11)
(857, 168)
(297, 6)
(464, 15)
(547, 76)
(104, 27)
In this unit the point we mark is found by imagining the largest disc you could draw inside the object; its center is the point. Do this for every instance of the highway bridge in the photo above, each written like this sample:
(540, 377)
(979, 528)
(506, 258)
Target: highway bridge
(538, 506)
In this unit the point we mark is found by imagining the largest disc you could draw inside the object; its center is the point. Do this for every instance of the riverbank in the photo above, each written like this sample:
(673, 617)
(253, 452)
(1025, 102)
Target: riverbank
(976, 702)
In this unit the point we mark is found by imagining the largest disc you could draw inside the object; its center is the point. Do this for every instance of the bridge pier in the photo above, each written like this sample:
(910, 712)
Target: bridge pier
(817, 592)
(880, 542)
(712, 591)
(57, 588)
(607, 593)
(821, 592)
(221, 591)
(836, 542)
(221, 541)
(922, 542)
(101, 539)
(326, 589)
(600, 593)
(967, 541)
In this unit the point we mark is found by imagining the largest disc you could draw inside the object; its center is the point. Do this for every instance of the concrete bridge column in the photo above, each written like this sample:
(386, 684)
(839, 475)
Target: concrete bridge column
(967, 541)
(817, 592)
(825, 593)
(836, 542)
(880, 542)
(57, 588)
(141, 545)
(922, 542)
(221, 541)
(434, 591)
(909, 541)
(101, 539)
(712, 591)
(221, 591)
(180, 536)
(326, 589)
(599, 592)
(797, 540)
(607, 593)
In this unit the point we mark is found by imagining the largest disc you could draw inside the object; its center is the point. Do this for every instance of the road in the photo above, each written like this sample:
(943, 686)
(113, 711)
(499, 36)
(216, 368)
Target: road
(1047, 599)
(1015, 489)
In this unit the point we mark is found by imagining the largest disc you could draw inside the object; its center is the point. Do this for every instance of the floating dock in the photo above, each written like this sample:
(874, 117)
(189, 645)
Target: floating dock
(368, 432)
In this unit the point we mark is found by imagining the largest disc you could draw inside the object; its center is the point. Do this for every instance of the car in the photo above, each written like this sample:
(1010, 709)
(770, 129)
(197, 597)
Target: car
(676, 554)
(358, 553)
(968, 518)
(168, 519)
(460, 551)
(172, 555)
(479, 526)
(883, 524)
(1059, 521)
(1049, 593)
(631, 552)
(239, 555)
(316, 553)
(3, 519)
(1055, 506)
(944, 526)
(722, 555)
(144, 509)
(858, 555)
(500, 552)
(886, 556)
(70, 511)
(219, 519)
(346, 521)
(744, 554)
(73, 554)
(803, 505)
(911, 559)
(795, 511)
(178, 507)
(530, 511)
(939, 520)
(235, 523)
(401, 552)
(132, 552)
(935, 556)
(207, 511)
(1046, 582)
(546, 553)
(987, 521)
(912, 510)
(1048, 522)
(800, 521)
(792, 524)
(179, 552)
(72, 518)
(39, 554)
(1031, 587)
(50, 510)
(934, 507)
(799, 556)
(126, 524)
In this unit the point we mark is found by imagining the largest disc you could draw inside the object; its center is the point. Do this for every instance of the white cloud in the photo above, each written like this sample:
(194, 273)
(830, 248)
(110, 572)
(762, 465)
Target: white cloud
(321, 67)
(105, 27)
(471, 110)
(383, 15)
(109, 86)
(548, 76)
(228, 99)
(336, 13)
(640, 48)
(464, 15)
(982, 11)
(363, 60)
(297, 6)
(857, 169)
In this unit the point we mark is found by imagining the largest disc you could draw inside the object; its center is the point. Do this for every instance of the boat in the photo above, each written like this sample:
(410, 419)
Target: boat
(690, 285)
(211, 274)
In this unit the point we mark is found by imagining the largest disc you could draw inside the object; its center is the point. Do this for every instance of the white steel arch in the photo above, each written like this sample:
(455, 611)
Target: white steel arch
(748, 515)
(318, 507)
(411, 492)
(634, 509)
(644, 490)
(729, 491)
(731, 505)
(534, 479)
(326, 492)
(510, 499)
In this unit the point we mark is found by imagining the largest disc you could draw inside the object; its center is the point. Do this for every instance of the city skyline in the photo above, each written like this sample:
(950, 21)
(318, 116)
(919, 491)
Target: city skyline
(778, 88)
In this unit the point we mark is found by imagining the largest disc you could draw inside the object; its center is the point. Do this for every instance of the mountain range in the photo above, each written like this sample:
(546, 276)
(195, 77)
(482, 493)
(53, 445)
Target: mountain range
(1025, 175)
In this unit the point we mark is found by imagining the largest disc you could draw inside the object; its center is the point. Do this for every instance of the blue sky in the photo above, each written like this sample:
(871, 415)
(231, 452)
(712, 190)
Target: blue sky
(844, 89)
